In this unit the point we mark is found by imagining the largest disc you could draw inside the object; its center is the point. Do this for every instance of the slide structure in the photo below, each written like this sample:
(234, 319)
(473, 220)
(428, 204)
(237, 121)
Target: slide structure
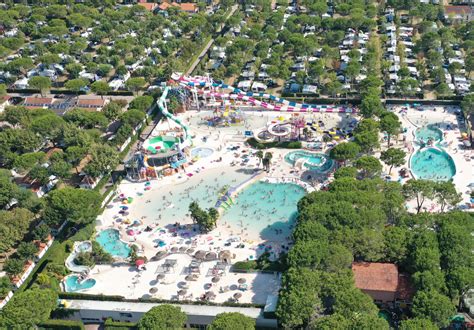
(237, 94)
(162, 106)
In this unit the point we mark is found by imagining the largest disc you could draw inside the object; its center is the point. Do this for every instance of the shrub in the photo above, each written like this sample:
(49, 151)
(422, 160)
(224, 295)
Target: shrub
(61, 324)
(283, 144)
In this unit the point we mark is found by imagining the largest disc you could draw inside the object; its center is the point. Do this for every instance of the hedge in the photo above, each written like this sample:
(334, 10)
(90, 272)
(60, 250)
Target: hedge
(100, 297)
(267, 145)
(61, 324)
(114, 325)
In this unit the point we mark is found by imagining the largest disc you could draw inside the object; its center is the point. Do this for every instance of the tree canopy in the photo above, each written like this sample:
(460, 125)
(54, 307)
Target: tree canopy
(163, 317)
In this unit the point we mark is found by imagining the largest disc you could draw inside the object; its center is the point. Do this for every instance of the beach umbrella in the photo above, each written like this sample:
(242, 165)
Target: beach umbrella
(210, 295)
(215, 279)
(182, 249)
(153, 290)
(174, 249)
(160, 276)
(190, 251)
(237, 295)
(211, 256)
(160, 254)
(242, 280)
(182, 292)
(200, 254)
(139, 262)
(189, 278)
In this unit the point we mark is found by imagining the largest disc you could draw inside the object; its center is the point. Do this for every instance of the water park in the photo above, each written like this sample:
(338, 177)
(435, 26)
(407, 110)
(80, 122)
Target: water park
(202, 155)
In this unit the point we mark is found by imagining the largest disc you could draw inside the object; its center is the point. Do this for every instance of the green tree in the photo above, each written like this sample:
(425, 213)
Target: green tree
(13, 267)
(420, 190)
(142, 103)
(393, 157)
(331, 322)
(100, 87)
(259, 155)
(163, 317)
(112, 110)
(104, 160)
(3, 90)
(74, 69)
(417, 324)
(5, 286)
(371, 105)
(446, 194)
(28, 308)
(76, 85)
(390, 125)
(76, 205)
(267, 160)
(27, 250)
(369, 165)
(467, 104)
(396, 242)
(205, 219)
(367, 140)
(237, 321)
(43, 84)
(433, 306)
(134, 84)
(344, 151)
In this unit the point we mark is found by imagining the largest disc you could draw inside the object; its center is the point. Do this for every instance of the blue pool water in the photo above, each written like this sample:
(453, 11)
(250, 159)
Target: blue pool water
(432, 164)
(72, 284)
(313, 161)
(201, 152)
(110, 241)
(429, 132)
(265, 208)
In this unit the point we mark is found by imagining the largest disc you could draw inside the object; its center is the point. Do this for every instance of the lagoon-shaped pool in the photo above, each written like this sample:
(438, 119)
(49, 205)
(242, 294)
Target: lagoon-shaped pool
(432, 164)
(429, 132)
(267, 208)
(110, 241)
(73, 284)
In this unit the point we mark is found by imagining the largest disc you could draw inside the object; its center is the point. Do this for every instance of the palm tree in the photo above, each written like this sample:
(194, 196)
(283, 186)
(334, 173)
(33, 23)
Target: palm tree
(267, 160)
(260, 157)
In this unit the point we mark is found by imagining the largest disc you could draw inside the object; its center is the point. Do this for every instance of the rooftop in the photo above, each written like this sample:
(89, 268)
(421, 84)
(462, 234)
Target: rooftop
(375, 276)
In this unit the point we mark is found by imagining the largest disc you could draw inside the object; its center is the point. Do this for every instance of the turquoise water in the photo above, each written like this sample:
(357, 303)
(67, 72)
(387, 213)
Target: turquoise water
(110, 241)
(429, 132)
(432, 164)
(170, 204)
(201, 152)
(72, 284)
(314, 161)
(267, 208)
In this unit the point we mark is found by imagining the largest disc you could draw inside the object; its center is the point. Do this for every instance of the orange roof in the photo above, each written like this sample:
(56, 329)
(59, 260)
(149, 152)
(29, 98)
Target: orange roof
(189, 7)
(375, 276)
(38, 100)
(457, 10)
(166, 5)
(148, 6)
(90, 102)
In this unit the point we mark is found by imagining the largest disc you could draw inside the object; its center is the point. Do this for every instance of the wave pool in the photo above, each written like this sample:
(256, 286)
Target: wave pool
(267, 208)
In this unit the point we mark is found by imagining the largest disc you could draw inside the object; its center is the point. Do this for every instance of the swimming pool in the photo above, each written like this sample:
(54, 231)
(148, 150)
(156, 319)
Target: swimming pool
(110, 241)
(429, 132)
(317, 162)
(72, 284)
(267, 208)
(201, 152)
(432, 164)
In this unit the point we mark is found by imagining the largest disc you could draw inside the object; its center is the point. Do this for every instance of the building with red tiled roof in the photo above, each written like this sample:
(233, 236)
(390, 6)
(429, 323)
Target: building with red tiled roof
(88, 102)
(38, 102)
(382, 281)
(149, 6)
(458, 14)
(186, 7)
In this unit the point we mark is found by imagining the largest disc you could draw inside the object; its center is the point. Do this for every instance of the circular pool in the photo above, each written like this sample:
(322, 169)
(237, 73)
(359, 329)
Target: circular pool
(317, 162)
(432, 164)
(201, 152)
(429, 132)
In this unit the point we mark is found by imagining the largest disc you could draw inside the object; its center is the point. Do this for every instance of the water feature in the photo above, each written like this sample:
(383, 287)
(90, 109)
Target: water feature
(429, 132)
(73, 284)
(110, 241)
(317, 162)
(432, 164)
(267, 208)
(201, 152)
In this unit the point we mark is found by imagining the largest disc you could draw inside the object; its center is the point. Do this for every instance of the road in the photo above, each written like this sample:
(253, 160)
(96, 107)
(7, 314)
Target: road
(209, 44)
